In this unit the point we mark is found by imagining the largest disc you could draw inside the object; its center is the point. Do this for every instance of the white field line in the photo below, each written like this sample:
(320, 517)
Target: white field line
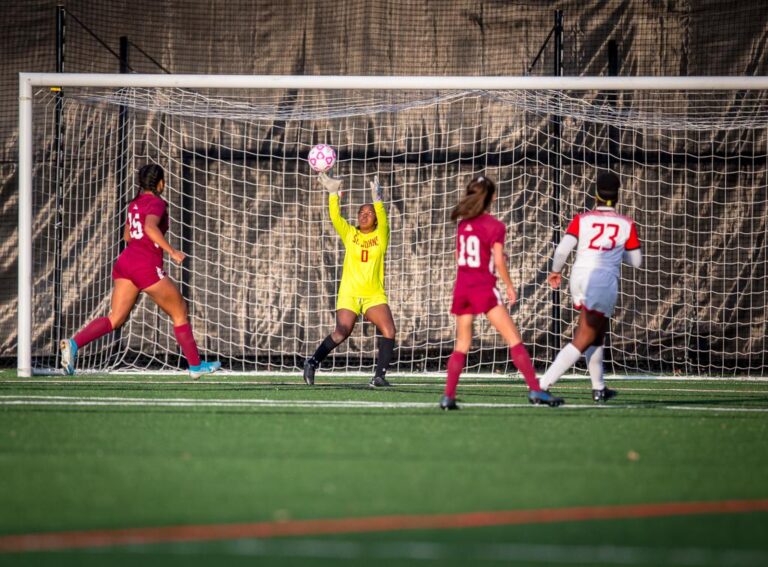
(509, 553)
(242, 402)
(746, 410)
(98, 401)
(396, 375)
(465, 383)
(184, 376)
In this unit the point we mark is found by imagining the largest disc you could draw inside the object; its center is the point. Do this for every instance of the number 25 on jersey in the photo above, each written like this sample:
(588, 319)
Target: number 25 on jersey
(136, 230)
(469, 251)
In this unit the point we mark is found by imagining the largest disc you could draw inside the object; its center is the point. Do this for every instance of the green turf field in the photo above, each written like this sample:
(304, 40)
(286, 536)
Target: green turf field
(113, 452)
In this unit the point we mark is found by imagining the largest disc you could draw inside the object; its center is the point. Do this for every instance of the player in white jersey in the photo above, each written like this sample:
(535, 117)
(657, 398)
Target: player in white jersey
(603, 239)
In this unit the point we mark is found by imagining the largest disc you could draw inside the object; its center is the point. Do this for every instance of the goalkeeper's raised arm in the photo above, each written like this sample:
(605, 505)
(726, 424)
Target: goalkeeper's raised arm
(362, 280)
(381, 213)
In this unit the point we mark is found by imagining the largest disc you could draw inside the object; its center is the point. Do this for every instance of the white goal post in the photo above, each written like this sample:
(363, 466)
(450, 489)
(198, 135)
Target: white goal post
(691, 152)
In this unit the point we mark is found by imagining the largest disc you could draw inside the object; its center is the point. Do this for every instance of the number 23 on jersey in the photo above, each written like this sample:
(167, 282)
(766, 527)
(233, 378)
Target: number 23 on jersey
(598, 242)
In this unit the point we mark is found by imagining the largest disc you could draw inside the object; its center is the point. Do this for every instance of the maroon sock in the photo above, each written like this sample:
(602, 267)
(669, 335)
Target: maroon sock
(187, 343)
(455, 365)
(523, 363)
(92, 331)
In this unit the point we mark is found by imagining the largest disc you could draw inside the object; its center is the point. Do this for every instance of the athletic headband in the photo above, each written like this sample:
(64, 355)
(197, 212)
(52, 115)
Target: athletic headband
(608, 202)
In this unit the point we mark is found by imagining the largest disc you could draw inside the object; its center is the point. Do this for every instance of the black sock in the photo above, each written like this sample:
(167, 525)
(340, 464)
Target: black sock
(386, 347)
(322, 351)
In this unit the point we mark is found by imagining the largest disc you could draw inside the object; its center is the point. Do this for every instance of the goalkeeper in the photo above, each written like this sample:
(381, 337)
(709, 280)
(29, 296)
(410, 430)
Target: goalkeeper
(362, 280)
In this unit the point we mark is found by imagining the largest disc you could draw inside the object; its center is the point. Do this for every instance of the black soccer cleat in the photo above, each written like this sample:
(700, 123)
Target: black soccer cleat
(379, 382)
(309, 372)
(448, 404)
(602, 396)
(538, 397)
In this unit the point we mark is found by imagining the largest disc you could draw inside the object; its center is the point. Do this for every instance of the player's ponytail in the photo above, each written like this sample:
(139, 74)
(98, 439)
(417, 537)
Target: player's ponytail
(607, 188)
(477, 200)
(150, 177)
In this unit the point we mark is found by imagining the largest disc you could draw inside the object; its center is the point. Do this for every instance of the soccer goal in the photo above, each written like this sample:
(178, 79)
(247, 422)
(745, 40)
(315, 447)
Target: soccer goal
(263, 262)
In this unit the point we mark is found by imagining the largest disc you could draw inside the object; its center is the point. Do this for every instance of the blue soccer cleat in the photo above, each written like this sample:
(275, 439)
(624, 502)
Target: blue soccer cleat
(538, 397)
(68, 349)
(204, 368)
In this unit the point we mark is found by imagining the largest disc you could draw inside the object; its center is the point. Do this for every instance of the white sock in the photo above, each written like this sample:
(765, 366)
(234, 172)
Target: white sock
(563, 361)
(594, 356)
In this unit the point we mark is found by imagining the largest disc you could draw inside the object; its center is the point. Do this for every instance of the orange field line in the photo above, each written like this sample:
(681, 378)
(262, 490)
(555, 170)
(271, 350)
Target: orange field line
(169, 534)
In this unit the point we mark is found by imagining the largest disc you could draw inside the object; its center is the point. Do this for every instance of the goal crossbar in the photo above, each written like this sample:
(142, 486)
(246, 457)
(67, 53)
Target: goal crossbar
(395, 82)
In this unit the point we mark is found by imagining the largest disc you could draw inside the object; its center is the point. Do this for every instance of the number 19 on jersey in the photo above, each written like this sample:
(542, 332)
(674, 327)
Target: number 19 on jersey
(469, 251)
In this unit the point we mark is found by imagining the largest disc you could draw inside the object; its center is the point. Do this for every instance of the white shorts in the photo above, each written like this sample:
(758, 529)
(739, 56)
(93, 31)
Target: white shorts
(594, 290)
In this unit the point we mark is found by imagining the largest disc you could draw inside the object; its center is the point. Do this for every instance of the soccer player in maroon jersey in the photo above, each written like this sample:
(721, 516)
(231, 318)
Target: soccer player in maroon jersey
(140, 268)
(480, 247)
(603, 239)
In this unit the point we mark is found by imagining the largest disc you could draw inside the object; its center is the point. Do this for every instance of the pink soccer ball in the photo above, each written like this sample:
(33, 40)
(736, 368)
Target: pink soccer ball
(321, 158)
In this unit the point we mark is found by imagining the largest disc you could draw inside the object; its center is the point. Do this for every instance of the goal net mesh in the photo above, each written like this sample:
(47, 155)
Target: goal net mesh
(264, 263)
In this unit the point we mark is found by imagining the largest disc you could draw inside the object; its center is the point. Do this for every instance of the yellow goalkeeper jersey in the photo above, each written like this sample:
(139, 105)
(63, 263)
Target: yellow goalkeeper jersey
(363, 272)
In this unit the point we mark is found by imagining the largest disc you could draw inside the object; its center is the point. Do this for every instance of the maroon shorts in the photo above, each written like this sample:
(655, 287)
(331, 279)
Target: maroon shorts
(474, 301)
(142, 274)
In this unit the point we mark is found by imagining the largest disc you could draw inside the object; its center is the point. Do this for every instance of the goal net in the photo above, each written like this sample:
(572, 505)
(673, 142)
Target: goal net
(264, 263)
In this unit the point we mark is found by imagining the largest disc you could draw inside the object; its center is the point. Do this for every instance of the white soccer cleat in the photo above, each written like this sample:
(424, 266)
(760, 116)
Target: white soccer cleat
(68, 349)
(203, 368)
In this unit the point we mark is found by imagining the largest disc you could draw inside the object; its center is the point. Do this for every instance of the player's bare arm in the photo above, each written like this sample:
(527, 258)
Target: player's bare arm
(501, 268)
(154, 233)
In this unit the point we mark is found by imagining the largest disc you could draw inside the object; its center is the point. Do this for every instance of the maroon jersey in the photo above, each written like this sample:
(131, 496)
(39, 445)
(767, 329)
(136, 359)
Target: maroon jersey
(141, 248)
(474, 251)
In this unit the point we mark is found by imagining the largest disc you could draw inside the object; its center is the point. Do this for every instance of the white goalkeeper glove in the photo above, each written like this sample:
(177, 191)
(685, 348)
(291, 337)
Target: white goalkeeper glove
(331, 185)
(376, 191)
